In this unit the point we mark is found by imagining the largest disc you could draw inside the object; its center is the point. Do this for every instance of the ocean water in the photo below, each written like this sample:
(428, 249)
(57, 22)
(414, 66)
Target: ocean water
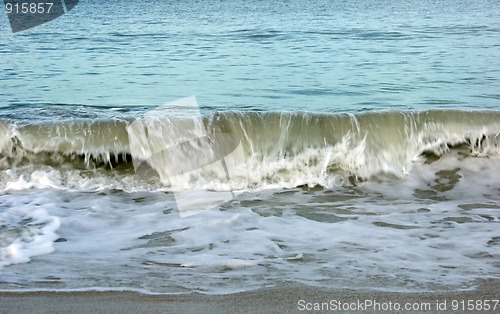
(342, 144)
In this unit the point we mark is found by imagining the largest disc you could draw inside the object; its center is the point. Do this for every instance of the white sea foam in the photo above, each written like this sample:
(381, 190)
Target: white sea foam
(416, 214)
(26, 231)
(436, 229)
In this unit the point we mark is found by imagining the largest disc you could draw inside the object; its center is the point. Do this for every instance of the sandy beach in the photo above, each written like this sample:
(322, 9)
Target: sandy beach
(286, 299)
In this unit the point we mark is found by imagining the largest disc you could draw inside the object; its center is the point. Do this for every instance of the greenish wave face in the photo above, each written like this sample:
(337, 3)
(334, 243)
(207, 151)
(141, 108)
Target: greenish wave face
(277, 148)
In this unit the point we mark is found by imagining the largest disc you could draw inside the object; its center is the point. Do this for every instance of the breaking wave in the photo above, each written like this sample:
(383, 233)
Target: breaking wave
(277, 149)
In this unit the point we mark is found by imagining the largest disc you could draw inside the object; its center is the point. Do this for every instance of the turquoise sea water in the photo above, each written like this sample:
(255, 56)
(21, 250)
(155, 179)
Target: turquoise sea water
(333, 56)
(354, 144)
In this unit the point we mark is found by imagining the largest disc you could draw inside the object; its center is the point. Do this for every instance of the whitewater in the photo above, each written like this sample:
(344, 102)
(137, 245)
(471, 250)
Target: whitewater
(409, 199)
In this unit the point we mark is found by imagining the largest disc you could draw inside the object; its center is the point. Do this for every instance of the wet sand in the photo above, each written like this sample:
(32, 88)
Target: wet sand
(285, 299)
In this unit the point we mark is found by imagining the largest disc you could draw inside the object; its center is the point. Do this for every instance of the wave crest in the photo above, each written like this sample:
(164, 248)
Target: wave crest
(280, 149)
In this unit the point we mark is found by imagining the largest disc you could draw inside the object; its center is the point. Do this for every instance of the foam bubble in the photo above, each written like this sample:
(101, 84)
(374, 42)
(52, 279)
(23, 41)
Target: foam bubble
(26, 232)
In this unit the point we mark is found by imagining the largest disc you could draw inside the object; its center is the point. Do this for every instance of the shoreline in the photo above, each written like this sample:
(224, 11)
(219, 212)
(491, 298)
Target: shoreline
(283, 299)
